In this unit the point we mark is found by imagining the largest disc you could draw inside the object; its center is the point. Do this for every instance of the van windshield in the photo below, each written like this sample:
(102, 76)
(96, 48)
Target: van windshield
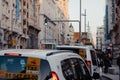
(81, 52)
(23, 68)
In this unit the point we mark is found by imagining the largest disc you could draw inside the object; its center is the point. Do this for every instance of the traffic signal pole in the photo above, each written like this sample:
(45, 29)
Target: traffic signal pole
(80, 36)
(79, 21)
(48, 20)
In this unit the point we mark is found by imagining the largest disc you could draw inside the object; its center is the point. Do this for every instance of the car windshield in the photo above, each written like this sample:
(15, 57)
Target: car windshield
(20, 68)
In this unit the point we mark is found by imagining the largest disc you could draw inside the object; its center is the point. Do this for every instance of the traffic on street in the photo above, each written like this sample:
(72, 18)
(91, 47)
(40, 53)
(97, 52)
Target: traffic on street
(59, 39)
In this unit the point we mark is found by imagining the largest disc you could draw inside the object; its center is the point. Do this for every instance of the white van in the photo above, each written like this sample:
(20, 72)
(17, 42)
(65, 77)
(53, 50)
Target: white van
(87, 53)
(30, 64)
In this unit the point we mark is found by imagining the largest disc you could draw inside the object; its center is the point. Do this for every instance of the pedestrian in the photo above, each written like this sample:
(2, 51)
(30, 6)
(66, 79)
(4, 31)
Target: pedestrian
(106, 63)
(118, 63)
(110, 57)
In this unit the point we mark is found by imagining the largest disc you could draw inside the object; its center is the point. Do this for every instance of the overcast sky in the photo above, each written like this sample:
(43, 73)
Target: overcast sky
(95, 10)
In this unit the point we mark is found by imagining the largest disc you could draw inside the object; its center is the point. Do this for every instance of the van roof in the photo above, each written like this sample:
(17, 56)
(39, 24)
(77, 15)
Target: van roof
(31, 52)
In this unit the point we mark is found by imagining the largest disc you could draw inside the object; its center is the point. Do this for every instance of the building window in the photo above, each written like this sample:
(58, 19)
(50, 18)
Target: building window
(8, 11)
(24, 22)
(24, 3)
(13, 5)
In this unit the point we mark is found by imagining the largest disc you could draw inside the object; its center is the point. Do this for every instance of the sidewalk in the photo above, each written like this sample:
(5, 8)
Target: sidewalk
(110, 76)
(112, 73)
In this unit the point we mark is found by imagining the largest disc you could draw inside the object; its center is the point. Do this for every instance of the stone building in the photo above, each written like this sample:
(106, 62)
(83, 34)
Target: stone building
(55, 32)
(100, 38)
(22, 23)
(115, 32)
(10, 23)
(33, 23)
(63, 5)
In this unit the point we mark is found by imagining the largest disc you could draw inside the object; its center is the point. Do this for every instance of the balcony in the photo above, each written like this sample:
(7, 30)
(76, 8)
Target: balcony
(17, 30)
(33, 24)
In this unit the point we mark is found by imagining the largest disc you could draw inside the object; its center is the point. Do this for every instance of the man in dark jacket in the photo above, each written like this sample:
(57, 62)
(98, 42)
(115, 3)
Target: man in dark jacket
(106, 63)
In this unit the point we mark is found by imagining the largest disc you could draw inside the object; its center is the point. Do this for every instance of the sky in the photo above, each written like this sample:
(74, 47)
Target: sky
(95, 11)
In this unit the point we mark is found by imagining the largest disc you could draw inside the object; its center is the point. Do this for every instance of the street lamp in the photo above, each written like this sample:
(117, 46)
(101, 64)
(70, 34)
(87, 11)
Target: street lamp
(45, 22)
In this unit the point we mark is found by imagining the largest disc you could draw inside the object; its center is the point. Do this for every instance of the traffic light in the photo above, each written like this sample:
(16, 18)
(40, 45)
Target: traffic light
(45, 22)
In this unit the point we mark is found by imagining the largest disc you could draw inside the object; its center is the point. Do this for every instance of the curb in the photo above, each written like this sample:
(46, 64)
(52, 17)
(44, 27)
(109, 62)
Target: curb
(110, 76)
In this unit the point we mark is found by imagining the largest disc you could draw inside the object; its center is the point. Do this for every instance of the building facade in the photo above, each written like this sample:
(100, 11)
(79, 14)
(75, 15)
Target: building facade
(109, 18)
(116, 28)
(55, 31)
(100, 39)
(63, 5)
(70, 35)
(115, 32)
(22, 23)
(10, 23)
(48, 32)
(33, 23)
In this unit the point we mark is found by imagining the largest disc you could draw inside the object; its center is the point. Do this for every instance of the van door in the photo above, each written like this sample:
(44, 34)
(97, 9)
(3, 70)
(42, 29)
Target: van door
(75, 69)
(94, 64)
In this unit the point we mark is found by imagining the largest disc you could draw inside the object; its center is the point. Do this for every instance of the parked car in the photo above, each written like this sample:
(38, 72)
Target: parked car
(87, 53)
(30, 64)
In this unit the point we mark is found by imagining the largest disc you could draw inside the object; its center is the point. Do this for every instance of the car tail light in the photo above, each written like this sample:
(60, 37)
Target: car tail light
(54, 76)
(89, 65)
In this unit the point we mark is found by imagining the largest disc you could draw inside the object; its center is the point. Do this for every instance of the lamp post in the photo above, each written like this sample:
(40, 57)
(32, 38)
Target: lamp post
(80, 36)
(45, 32)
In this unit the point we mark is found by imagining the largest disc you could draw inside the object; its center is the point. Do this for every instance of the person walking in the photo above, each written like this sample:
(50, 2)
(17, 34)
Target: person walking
(118, 63)
(106, 63)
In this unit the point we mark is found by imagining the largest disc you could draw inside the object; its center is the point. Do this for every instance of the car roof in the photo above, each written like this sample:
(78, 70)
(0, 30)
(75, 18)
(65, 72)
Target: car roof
(32, 52)
(67, 46)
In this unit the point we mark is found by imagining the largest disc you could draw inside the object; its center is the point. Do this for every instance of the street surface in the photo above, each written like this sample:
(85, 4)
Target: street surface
(111, 75)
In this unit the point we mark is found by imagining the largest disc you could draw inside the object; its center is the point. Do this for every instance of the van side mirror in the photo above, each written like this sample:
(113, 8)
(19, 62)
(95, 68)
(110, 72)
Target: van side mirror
(96, 75)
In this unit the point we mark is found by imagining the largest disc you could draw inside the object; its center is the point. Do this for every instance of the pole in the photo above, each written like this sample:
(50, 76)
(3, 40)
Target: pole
(88, 30)
(85, 20)
(80, 24)
(11, 30)
(45, 34)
